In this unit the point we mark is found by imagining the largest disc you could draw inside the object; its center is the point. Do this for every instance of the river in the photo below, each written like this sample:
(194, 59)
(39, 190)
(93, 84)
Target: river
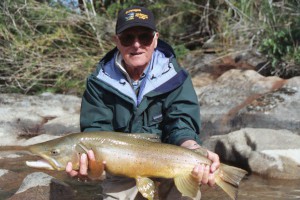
(251, 187)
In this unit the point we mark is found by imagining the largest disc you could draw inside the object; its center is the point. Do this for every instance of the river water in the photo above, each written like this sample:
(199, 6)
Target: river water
(252, 187)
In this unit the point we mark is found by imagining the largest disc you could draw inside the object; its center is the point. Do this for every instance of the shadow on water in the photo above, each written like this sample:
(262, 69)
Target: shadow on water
(251, 187)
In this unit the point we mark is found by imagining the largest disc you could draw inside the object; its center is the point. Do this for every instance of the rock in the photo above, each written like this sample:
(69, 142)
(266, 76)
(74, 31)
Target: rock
(9, 181)
(39, 139)
(39, 192)
(67, 123)
(28, 116)
(41, 186)
(240, 99)
(34, 186)
(61, 190)
(270, 153)
(34, 180)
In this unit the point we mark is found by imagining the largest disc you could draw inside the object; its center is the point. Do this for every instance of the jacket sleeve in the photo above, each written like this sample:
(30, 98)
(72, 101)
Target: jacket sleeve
(182, 116)
(94, 114)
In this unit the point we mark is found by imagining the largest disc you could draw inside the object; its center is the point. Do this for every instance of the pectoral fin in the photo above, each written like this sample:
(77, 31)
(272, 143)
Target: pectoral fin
(96, 166)
(146, 187)
(186, 185)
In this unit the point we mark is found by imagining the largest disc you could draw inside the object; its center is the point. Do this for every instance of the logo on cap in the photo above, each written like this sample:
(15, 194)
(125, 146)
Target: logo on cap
(135, 13)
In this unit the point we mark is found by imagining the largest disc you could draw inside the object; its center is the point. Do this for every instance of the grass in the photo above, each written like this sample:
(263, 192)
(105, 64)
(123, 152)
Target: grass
(54, 49)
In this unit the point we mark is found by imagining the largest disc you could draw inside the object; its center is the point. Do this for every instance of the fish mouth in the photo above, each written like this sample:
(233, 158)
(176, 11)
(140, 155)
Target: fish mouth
(46, 164)
(40, 164)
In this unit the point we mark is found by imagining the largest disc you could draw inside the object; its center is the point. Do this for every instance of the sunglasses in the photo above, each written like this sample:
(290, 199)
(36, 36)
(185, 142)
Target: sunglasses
(145, 39)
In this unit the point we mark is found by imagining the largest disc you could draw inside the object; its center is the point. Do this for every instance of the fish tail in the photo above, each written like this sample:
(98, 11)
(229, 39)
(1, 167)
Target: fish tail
(228, 178)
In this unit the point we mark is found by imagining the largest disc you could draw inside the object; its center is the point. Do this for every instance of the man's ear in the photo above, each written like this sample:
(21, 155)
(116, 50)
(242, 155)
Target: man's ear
(115, 39)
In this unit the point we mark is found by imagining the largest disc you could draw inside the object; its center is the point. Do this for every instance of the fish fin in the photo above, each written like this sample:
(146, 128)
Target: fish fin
(187, 185)
(144, 136)
(96, 168)
(146, 187)
(228, 178)
(83, 148)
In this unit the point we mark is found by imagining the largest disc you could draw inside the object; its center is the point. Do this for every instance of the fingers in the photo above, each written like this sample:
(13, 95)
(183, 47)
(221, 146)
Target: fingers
(215, 161)
(190, 144)
(83, 165)
(205, 175)
(197, 173)
(91, 155)
(211, 180)
(202, 175)
(70, 170)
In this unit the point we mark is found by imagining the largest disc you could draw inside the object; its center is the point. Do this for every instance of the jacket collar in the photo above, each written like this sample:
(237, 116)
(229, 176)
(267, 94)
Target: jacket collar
(161, 71)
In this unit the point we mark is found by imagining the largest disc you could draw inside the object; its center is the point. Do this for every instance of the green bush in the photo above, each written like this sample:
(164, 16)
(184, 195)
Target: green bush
(278, 46)
(273, 27)
(282, 39)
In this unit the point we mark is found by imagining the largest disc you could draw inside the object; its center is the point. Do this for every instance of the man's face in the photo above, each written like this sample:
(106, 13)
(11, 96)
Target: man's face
(136, 46)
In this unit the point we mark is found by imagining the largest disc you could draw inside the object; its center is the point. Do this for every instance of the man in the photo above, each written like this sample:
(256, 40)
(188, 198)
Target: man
(139, 87)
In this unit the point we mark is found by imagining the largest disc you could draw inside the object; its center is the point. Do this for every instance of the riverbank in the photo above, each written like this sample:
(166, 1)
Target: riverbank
(250, 120)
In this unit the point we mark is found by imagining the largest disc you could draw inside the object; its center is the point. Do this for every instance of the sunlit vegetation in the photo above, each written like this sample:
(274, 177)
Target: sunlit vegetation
(50, 46)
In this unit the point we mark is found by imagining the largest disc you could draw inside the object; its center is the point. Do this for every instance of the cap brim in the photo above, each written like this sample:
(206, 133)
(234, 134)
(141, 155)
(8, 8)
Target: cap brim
(120, 30)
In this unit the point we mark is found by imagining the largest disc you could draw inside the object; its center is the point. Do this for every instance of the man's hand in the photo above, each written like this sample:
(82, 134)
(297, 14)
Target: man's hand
(82, 173)
(204, 174)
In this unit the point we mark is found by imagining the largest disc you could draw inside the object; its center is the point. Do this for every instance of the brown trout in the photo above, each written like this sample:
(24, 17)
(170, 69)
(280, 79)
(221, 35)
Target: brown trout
(131, 155)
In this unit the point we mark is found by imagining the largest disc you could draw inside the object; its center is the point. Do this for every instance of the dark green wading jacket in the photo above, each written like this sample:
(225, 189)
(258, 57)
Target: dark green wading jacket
(166, 105)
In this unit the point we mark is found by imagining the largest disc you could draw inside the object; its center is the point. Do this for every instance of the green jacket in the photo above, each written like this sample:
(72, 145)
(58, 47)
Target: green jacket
(166, 105)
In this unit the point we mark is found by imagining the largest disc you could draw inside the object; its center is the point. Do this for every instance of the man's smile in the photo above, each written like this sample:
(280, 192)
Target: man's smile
(136, 53)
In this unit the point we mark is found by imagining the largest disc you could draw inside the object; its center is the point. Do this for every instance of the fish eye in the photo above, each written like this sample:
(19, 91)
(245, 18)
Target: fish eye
(54, 152)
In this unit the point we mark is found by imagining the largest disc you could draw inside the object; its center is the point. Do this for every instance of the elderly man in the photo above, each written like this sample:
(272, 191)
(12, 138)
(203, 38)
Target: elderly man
(139, 87)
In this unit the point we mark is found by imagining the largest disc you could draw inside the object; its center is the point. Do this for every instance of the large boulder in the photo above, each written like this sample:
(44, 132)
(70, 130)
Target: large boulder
(23, 117)
(270, 153)
(240, 99)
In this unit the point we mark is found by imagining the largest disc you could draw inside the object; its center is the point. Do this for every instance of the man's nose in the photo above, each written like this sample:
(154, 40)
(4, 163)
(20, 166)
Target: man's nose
(136, 42)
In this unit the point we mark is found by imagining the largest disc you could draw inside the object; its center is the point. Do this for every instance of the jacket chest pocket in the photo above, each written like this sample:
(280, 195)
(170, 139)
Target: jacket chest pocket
(155, 114)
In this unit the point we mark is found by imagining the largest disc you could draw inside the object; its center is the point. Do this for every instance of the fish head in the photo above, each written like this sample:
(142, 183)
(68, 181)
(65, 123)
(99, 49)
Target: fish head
(55, 154)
